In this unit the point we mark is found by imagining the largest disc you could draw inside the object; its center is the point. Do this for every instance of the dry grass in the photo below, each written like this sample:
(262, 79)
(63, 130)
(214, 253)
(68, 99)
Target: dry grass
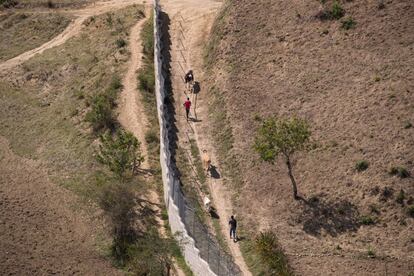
(355, 87)
(20, 32)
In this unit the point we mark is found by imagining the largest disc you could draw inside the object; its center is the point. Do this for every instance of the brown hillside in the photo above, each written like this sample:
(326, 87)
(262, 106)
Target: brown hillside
(356, 89)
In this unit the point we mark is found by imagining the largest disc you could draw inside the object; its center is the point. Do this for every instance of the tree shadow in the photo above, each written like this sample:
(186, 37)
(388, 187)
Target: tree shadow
(334, 217)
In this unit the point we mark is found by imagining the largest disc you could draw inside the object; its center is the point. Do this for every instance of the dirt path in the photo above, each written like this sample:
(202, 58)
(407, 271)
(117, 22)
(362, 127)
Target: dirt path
(131, 111)
(190, 24)
(70, 31)
(132, 115)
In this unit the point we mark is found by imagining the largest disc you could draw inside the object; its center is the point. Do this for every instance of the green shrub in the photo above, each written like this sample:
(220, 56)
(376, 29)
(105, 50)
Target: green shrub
(399, 171)
(8, 3)
(410, 211)
(146, 79)
(337, 10)
(151, 137)
(400, 197)
(101, 115)
(120, 43)
(348, 24)
(120, 152)
(371, 253)
(361, 165)
(267, 247)
(367, 220)
(118, 203)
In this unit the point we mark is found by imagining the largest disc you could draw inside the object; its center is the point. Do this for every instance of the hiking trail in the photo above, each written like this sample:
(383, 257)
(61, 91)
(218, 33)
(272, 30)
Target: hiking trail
(71, 30)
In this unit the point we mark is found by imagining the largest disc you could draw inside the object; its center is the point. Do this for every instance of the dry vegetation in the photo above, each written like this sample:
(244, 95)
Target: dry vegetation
(20, 32)
(53, 109)
(347, 68)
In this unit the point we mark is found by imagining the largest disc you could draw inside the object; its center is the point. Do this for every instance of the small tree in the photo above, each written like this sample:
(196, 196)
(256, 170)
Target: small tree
(285, 136)
(120, 152)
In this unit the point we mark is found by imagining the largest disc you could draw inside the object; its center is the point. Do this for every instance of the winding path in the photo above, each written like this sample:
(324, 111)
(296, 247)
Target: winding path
(71, 30)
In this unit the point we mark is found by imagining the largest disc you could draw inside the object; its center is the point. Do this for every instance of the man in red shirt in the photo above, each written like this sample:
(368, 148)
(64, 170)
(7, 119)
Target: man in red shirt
(187, 105)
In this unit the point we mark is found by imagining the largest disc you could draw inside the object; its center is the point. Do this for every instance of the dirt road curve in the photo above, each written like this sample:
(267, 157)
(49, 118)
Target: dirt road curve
(72, 30)
(193, 19)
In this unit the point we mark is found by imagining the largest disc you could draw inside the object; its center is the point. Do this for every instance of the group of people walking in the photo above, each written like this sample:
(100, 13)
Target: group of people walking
(189, 83)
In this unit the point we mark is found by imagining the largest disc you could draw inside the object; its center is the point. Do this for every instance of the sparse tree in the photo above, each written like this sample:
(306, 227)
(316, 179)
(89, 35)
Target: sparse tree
(282, 136)
(120, 152)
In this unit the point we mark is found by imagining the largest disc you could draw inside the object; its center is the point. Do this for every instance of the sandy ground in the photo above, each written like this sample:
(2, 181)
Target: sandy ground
(355, 87)
(42, 232)
(190, 25)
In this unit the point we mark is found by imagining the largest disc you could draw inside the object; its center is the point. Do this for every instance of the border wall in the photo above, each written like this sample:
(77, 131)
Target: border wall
(201, 250)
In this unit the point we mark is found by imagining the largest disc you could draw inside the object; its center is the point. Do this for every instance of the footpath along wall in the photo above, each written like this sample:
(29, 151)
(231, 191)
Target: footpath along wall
(200, 249)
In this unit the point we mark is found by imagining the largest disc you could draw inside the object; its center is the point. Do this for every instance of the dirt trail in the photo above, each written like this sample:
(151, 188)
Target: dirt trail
(72, 30)
(190, 24)
(132, 115)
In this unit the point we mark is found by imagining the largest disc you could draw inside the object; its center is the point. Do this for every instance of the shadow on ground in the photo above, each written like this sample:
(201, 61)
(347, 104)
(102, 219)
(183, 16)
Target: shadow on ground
(334, 217)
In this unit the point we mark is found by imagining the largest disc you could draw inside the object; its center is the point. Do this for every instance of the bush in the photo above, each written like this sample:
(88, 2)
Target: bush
(348, 23)
(399, 171)
(361, 165)
(408, 125)
(8, 3)
(146, 79)
(270, 253)
(367, 220)
(410, 211)
(151, 137)
(118, 203)
(371, 253)
(101, 115)
(400, 197)
(337, 10)
(120, 152)
(120, 43)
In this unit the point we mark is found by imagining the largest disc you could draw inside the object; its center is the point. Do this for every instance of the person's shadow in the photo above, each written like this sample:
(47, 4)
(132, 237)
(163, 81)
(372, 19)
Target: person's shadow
(196, 87)
(213, 172)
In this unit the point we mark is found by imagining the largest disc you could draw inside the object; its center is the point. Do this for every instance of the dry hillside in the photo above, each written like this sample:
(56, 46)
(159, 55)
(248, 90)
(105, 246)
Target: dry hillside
(352, 79)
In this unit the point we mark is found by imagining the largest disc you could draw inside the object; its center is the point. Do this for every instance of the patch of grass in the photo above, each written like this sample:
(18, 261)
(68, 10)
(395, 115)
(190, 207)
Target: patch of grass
(400, 197)
(267, 246)
(401, 172)
(337, 11)
(25, 31)
(195, 153)
(361, 165)
(120, 43)
(371, 253)
(348, 23)
(410, 211)
(367, 220)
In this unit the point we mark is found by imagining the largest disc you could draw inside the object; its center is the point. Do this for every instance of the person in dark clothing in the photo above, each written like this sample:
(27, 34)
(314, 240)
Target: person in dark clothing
(233, 227)
(187, 105)
(188, 79)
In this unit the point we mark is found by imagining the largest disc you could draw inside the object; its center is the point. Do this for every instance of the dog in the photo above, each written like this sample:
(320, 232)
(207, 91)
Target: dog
(206, 161)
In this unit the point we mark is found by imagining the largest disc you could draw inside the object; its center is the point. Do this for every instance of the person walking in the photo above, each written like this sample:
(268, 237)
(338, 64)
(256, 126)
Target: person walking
(188, 79)
(233, 227)
(187, 105)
